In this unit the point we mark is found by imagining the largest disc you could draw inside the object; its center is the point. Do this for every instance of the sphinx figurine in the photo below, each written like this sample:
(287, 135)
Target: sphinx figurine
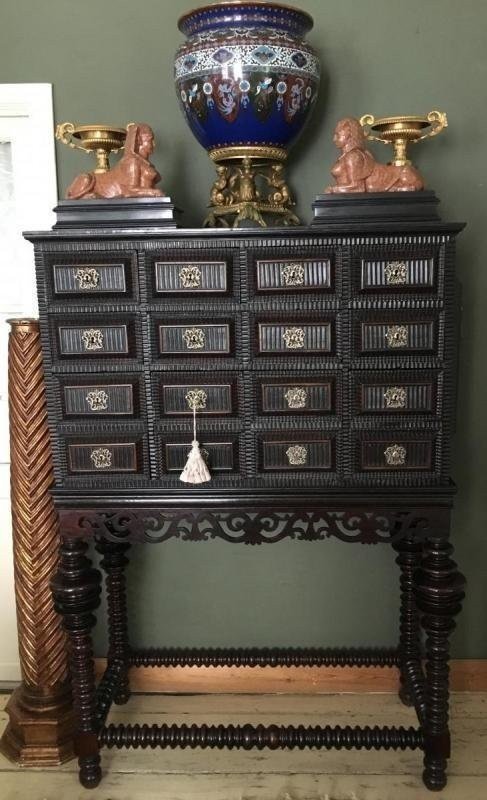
(356, 170)
(132, 176)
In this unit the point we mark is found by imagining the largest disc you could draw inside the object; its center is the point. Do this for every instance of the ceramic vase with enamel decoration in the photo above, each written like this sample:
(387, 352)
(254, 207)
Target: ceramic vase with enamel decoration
(246, 78)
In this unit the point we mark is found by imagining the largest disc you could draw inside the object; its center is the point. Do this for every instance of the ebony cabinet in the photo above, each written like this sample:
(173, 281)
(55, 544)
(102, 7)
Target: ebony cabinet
(326, 357)
(344, 342)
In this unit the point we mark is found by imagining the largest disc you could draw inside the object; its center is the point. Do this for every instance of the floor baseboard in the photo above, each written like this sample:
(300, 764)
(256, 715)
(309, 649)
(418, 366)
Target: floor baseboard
(467, 675)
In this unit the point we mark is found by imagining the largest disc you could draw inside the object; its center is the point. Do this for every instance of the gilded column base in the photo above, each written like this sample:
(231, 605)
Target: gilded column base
(40, 728)
(250, 190)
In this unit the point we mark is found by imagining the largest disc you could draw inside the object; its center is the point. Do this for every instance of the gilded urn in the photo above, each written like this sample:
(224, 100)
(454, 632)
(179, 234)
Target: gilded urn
(246, 78)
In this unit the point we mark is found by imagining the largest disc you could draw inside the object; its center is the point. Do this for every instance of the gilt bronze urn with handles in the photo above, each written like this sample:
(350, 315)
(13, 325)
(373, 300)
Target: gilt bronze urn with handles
(247, 81)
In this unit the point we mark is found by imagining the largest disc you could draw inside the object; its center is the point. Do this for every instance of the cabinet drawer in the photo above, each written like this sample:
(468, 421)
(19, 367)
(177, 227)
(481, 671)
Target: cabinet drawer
(93, 340)
(91, 276)
(221, 456)
(397, 273)
(103, 457)
(89, 279)
(397, 336)
(385, 454)
(210, 398)
(293, 274)
(400, 394)
(296, 397)
(194, 339)
(99, 399)
(295, 337)
(190, 277)
(296, 454)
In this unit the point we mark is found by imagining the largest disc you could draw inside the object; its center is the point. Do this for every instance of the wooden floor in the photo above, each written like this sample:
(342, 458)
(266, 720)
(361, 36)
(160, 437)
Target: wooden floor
(267, 775)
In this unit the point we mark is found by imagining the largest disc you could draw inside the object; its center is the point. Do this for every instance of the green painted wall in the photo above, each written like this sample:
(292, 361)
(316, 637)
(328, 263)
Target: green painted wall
(112, 61)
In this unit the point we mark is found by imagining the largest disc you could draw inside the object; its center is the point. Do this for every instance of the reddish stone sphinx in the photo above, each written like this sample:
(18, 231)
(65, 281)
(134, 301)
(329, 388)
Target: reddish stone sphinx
(132, 176)
(357, 170)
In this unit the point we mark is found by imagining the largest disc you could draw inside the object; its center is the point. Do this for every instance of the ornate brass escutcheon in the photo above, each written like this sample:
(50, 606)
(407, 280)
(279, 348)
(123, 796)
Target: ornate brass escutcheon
(101, 457)
(294, 338)
(190, 276)
(293, 274)
(396, 273)
(297, 455)
(397, 336)
(395, 397)
(92, 339)
(395, 455)
(194, 338)
(196, 399)
(87, 277)
(296, 397)
(97, 400)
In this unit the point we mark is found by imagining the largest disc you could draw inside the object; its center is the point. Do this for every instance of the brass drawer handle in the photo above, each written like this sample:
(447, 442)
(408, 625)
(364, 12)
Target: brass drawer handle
(87, 277)
(196, 399)
(101, 457)
(395, 397)
(294, 338)
(396, 272)
(293, 274)
(190, 276)
(194, 338)
(92, 339)
(97, 400)
(297, 455)
(395, 455)
(397, 336)
(296, 397)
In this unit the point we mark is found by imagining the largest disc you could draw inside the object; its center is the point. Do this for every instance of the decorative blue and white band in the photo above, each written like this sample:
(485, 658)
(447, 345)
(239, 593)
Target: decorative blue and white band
(243, 57)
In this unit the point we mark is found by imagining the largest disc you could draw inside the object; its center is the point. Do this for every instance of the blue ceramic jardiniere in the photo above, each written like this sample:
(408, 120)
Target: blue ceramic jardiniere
(245, 76)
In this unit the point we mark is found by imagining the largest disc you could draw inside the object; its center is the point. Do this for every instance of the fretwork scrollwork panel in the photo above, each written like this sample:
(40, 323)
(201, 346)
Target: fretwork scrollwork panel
(256, 527)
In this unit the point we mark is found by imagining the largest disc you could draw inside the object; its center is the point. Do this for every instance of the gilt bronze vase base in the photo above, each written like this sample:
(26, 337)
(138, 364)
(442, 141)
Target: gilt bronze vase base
(250, 190)
(40, 731)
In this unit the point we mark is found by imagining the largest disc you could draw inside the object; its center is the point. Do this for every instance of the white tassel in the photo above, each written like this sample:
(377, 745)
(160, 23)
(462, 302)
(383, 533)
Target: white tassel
(195, 470)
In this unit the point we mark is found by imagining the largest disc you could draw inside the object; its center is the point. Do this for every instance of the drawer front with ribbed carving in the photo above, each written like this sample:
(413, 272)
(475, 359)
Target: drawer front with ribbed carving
(195, 339)
(295, 337)
(103, 457)
(293, 275)
(298, 454)
(399, 394)
(221, 456)
(93, 340)
(296, 397)
(89, 279)
(398, 336)
(397, 273)
(190, 277)
(207, 398)
(99, 399)
(395, 453)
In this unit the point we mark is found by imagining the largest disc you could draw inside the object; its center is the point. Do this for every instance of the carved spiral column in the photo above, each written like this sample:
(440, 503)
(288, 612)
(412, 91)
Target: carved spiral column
(41, 720)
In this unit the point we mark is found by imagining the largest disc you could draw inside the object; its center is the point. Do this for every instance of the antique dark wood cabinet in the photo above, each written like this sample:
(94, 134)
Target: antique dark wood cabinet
(325, 358)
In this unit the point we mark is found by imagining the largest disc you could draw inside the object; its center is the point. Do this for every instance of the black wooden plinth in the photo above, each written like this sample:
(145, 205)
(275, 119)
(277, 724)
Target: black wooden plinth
(143, 212)
(368, 207)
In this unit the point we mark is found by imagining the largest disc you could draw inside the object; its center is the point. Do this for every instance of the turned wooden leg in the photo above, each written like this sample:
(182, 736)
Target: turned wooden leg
(439, 590)
(76, 589)
(114, 562)
(409, 559)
